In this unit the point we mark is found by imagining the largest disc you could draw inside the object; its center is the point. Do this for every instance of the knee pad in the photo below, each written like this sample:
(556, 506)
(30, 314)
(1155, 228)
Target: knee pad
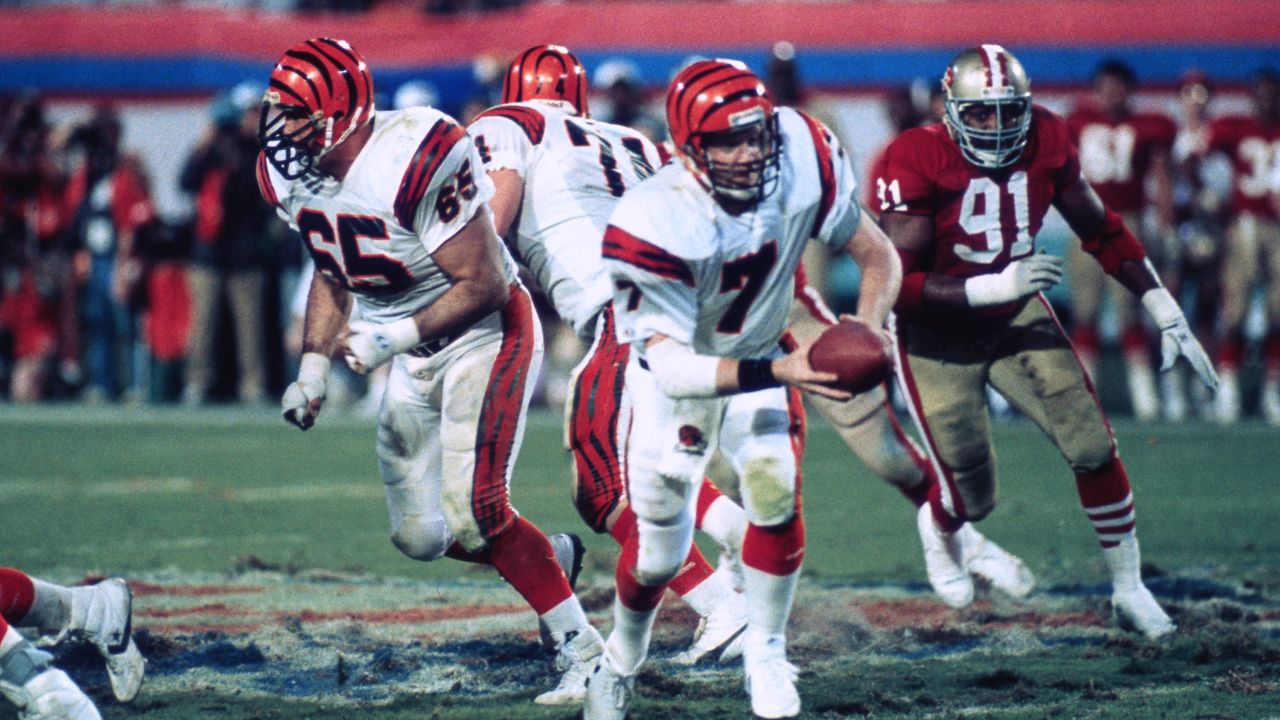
(660, 497)
(769, 489)
(421, 538)
(662, 548)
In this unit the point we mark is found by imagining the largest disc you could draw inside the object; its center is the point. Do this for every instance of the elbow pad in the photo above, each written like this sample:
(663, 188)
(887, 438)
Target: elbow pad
(1113, 244)
(680, 372)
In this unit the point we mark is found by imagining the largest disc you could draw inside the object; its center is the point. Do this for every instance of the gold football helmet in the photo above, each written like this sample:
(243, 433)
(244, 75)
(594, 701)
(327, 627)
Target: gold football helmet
(988, 105)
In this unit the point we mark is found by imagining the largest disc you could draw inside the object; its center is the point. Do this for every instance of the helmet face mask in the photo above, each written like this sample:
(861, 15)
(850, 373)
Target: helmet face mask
(319, 93)
(725, 129)
(549, 73)
(749, 180)
(988, 106)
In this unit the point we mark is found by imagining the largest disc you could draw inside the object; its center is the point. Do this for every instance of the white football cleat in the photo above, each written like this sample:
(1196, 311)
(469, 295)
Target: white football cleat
(944, 561)
(609, 692)
(50, 695)
(103, 614)
(770, 679)
(1137, 611)
(989, 561)
(576, 658)
(720, 631)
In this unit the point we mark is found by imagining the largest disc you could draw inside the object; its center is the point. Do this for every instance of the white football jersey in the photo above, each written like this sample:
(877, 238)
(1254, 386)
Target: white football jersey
(683, 267)
(574, 171)
(413, 186)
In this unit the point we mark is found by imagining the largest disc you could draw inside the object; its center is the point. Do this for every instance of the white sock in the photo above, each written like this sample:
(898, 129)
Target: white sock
(628, 644)
(565, 617)
(50, 607)
(769, 600)
(726, 523)
(708, 594)
(1125, 562)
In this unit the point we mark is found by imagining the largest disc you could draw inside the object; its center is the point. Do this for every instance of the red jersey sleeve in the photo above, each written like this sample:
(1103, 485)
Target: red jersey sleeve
(902, 178)
(1057, 145)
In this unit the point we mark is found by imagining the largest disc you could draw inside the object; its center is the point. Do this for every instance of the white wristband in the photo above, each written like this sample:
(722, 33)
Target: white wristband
(402, 334)
(988, 289)
(1162, 308)
(313, 368)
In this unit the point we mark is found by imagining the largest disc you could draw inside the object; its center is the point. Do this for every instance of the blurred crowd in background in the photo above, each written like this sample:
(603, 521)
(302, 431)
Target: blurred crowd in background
(102, 300)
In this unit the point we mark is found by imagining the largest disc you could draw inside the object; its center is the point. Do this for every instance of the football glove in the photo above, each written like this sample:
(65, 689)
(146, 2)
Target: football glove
(304, 396)
(1024, 277)
(368, 345)
(1176, 338)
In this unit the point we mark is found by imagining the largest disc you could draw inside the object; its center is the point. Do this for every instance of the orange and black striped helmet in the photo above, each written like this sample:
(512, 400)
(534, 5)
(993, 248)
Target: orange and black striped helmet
(324, 82)
(547, 72)
(723, 98)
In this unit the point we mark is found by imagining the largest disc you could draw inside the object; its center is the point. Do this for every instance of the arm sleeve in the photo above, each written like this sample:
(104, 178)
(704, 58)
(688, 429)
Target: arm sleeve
(900, 180)
(653, 290)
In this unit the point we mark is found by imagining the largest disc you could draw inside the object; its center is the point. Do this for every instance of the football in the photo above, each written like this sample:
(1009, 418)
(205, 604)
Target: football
(853, 351)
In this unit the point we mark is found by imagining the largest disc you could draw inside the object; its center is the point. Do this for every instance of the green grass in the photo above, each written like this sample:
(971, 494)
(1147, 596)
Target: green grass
(146, 491)
(150, 490)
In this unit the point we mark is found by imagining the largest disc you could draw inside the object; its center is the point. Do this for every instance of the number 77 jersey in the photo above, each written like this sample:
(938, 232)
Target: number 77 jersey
(684, 268)
(982, 219)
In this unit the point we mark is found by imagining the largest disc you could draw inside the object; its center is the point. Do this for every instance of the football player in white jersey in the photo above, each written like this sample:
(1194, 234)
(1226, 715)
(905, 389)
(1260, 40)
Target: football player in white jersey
(391, 208)
(703, 256)
(557, 176)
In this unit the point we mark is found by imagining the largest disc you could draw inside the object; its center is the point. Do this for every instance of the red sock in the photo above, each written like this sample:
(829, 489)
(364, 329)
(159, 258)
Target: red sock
(1108, 501)
(17, 592)
(1085, 340)
(523, 557)
(631, 593)
(624, 526)
(777, 550)
(1230, 352)
(944, 519)
(696, 569)
(707, 495)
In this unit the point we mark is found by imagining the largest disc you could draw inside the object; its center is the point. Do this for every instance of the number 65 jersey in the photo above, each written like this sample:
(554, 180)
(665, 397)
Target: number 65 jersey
(982, 219)
(413, 186)
(684, 268)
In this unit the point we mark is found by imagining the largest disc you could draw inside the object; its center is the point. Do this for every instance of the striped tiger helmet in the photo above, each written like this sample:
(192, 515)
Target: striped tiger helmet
(547, 72)
(714, 100)
(319, 93)
(988, 80)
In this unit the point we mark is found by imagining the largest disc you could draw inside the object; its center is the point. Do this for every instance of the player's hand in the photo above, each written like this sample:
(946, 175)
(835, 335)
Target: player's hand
(794, 369)
(1176, 337)
(305, 396)
(366, 345)
(1021, 278)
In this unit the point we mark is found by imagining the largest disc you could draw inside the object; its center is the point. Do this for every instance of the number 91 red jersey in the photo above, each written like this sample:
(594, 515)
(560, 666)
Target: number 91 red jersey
(982, 219)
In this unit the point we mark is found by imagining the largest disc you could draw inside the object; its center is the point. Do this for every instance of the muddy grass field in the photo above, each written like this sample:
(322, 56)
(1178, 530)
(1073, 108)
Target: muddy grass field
(328, 645)
(265, 586)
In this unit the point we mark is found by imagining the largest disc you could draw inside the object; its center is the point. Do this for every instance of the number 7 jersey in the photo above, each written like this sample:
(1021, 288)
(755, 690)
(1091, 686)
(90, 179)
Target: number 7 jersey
(414, 185)
(684, 268)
